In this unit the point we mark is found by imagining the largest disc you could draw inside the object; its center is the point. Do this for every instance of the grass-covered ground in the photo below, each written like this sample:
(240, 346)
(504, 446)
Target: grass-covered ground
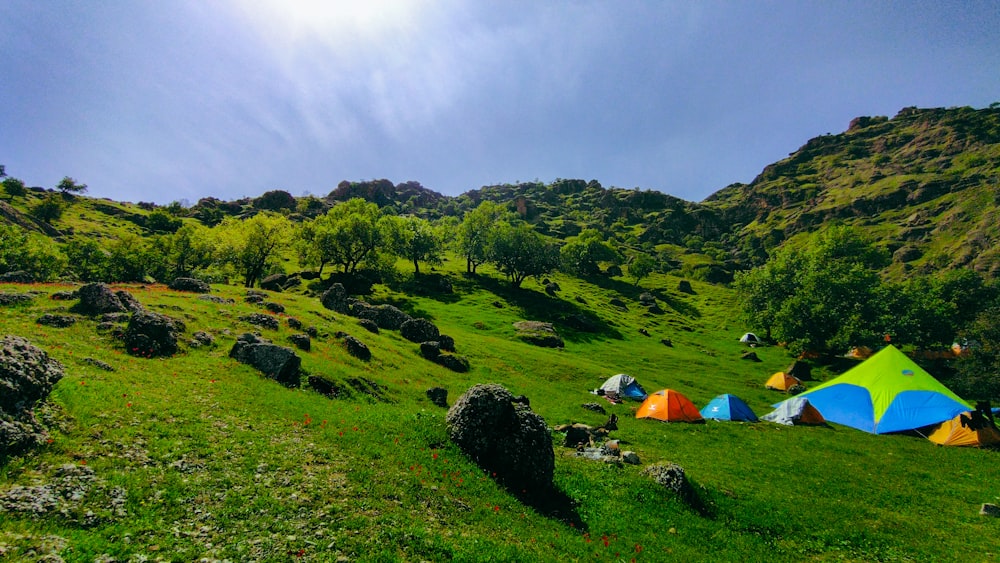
(197, 456)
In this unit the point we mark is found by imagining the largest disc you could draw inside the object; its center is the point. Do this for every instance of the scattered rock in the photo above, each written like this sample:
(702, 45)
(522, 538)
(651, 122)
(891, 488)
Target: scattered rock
(430, 350)
(684, 286)
(438, 396)
(796, 389)
(667, 342)
(643, 332)
(419, 330)
(276, 362)
(15, 298)
(301, 341)
(57, 321)
(551, 288)
(65, 295)
(98, 364)
(217, 299)
(357, 348)
(388, 317)
(129, 301)
(594, 407)
(18, 276)
(335, 299)
(201, 338)
(750, 356)
(613, 270)
(151, 335)
(190, 284)
(646, 298)
(503, 437)
(654, 309)
(312, 331)
(580, 300)
(274, 307)
(799, 370)
(539, 334)
(294, 323)
(27, 375)
(498, 304)
(254, 298)
(328, 388)
(368, 325)
(115, 317)
(618, 303)
(630, 458)
(261, 320)
(274, 282)
(455, 363)
(670, 476)
(447, 343)
(990, 510)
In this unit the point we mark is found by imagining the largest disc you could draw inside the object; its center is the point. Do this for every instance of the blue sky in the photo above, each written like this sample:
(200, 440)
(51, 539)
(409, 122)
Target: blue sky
(170, 100)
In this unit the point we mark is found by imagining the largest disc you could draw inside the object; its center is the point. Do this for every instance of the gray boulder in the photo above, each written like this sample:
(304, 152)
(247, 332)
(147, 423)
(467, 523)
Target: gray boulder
(129, 301)
(17, 276)
(368, 325)
(438, 396)
(274, 282)
(98, 298)
(275, 362)
(56, 321)
(301, 341)
(151, 335)
(357, 348)
(430, 350)
(261, 320)
(189, 284)
(274, 307)
(539, 334)
(447, 343)
(335, 299)
(669, 475)
(684, 286)
(15, 298)
(455, 363)
(419, 330)
(503, 437)
(27, 375)
(388, 317)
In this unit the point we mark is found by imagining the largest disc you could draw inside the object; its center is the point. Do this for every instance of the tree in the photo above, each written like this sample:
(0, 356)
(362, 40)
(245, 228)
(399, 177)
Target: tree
(348, 234)
(131, 259)
(162, 221)
(824, 298)
(49, 209)
(252, 245)
(475, 230)
(67, 185)
(641, 266)
(584, 254)
(14, 187)
(189, 249)
(37, 255)
(88, 260)
(518, 252)
(413, 238)
(978, 374)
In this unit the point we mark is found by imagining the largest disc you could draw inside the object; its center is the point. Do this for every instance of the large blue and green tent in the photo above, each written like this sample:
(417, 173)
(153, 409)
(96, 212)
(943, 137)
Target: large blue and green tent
(888, 392)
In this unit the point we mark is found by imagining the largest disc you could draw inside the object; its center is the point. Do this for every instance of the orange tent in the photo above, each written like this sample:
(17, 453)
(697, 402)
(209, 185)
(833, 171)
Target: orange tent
(782, 382)
(669, 406)
(952, 433)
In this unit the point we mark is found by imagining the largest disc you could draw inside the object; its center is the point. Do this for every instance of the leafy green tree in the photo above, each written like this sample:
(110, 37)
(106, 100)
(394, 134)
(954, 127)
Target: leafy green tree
(188, 250)
(49, 209)
(131, 259)
(640, 267)
(37, 255)
(162, 221)
(823, 298)
(14, 187)
(69, 185)
(349, 234)
(475, 230)
(88, 261)
(413, 238)
(253, 245)
(978, 374)
(584, 254)
(519, 252)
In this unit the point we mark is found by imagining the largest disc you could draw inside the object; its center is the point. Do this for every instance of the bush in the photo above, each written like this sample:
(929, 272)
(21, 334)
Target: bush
(49, 209)
(14, 187)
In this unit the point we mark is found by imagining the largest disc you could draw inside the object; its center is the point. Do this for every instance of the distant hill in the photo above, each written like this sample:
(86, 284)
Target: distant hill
(925, 183)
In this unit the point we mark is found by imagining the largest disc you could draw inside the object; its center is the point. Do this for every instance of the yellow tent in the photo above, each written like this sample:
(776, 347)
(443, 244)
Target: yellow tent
(953, 433)
(782, 382)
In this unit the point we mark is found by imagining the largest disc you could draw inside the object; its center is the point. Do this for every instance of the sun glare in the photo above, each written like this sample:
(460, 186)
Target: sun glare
(332, 16)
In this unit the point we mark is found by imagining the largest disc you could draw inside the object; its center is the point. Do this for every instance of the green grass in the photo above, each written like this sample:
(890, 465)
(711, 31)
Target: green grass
(215, 462)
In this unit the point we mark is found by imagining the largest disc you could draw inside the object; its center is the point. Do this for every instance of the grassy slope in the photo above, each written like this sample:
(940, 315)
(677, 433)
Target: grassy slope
(217, 462)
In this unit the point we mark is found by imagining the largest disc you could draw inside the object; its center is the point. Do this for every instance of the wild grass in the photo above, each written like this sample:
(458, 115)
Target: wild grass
(215, 462)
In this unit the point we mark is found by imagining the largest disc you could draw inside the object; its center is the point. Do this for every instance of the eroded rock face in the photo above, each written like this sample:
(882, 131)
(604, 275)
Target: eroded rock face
(503, 437)
(151, 334)
(27, 375)
(275, 362)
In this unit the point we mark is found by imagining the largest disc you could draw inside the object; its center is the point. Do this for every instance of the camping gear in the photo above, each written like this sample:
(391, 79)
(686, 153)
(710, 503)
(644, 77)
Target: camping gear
(728, 407)
(750, 338)
(669, 406)
(622, 386)
(886, 393)
(796, 410)
(781, 381)
(953, 432)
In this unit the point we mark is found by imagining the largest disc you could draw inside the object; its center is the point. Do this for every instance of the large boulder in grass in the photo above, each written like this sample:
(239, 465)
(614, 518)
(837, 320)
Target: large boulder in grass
(275, 362)
(387, 317)
(98, 298)
(151, 334)
(503, 437)
(27, 375)
(357, 348)
(670, 476)
(419, 330)
(189, 284)
(335, 299)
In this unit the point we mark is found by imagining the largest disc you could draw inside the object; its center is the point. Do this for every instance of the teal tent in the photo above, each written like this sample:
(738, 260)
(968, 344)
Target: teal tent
(888, 392)
(728, 407)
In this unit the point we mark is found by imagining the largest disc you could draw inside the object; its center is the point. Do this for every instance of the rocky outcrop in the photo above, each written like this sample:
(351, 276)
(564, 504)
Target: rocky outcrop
(503, 437)
(98, 298)
(276, 362)
(335, 299)
(27, 375)
(189, 284)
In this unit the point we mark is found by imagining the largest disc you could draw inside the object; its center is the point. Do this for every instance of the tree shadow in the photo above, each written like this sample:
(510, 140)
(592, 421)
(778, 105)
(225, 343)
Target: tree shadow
(633, 292)
(573, 323)
(438, 287)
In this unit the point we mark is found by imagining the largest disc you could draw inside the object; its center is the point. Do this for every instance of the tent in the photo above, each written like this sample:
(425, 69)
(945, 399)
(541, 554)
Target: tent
(669, 406)
(728, 407)
(886, 393)
(781, 381)
(953, 433)
(750, 338)
(796, 410)
(622, 386)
